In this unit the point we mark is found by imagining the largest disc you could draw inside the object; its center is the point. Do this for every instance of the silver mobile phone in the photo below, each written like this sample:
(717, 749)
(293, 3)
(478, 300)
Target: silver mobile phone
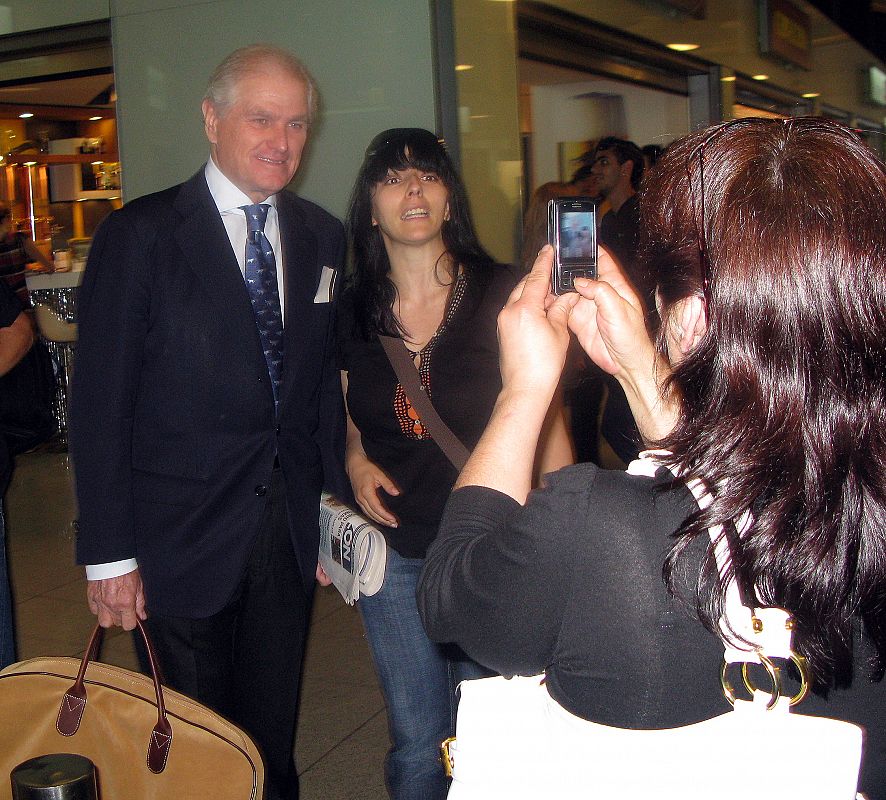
(572, 231)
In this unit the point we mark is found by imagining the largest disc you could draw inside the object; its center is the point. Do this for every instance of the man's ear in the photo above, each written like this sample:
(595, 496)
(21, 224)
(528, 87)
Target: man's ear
(210, 121)
(693, 321)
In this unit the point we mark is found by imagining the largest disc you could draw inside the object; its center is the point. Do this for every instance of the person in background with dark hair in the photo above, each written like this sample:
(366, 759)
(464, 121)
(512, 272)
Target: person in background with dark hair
(769, 240)
(16, 250)
(584, 182)
(582, 382)
(420, 275)
(618, 166)
(16, 338)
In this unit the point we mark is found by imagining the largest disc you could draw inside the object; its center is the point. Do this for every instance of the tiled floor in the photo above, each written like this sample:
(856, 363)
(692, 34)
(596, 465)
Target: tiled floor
(342, 734)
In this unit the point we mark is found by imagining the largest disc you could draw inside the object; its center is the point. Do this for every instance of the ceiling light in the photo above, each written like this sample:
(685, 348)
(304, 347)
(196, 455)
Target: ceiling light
(810, 95)
(728, 79)
(760, 77)
(95, 119)
(463, 67)
(683, 48)
(96, 163)
(30, 163)
(25, 115)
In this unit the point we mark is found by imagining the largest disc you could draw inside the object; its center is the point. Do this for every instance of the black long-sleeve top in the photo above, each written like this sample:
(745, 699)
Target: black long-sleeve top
(571, 584)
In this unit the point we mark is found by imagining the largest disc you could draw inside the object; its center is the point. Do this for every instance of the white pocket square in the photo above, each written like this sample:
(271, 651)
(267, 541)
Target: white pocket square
(326, 287)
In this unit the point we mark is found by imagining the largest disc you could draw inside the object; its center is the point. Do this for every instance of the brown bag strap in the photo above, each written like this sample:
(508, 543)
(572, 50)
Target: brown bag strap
(74, 700)
(409, 379)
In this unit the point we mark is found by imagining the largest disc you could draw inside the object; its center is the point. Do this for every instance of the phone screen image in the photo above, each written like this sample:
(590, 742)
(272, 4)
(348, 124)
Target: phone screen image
(577, 235)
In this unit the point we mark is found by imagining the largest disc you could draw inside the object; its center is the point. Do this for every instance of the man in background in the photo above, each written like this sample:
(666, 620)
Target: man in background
(16, 250)
(618, 167)
(206, 409)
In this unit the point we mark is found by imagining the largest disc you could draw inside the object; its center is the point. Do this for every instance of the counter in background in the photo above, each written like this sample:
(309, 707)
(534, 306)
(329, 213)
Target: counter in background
(54, 297)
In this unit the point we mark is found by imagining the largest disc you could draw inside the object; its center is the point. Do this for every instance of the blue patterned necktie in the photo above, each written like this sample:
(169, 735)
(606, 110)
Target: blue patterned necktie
(261, 280)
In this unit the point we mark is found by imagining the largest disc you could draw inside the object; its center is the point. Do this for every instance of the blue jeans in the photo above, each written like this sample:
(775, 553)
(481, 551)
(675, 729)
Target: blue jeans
(418, 680)
(7, 642)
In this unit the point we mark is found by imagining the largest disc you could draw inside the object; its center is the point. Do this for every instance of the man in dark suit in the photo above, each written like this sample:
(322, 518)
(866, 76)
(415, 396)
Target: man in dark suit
(206, 410)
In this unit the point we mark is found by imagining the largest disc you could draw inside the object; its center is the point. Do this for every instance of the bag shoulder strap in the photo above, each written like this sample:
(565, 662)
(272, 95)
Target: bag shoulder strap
(407, 374)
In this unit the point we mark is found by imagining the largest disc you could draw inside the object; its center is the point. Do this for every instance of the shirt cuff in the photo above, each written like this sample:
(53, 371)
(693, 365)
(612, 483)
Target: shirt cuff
(113, 569)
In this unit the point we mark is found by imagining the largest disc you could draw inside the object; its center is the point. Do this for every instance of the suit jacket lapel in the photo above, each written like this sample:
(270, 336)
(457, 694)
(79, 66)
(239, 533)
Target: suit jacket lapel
(202, 238)
(301, 274)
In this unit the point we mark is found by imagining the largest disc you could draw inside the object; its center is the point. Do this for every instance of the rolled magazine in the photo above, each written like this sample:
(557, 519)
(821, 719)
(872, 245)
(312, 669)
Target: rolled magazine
(352, 549)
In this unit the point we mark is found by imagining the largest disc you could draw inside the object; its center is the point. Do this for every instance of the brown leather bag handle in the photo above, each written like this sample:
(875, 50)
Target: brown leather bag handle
(73, 704)
(407, 374)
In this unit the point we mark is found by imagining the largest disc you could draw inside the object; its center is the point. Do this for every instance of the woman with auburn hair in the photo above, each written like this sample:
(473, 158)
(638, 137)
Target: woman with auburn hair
(768, 238)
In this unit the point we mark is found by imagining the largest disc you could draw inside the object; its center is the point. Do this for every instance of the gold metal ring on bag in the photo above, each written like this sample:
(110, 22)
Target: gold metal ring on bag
(771, 669)
(448, 761)
(802, 667)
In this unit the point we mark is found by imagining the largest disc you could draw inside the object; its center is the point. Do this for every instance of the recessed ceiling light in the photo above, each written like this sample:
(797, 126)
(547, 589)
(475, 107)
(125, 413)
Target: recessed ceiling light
(683, 47)
(810, 95)
(25, 115)
(463, 67)
(760, 77)
(95, 119)
(728, 79)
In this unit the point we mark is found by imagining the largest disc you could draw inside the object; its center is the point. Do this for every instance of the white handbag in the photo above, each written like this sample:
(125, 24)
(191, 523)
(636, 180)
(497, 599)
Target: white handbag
(514, 741)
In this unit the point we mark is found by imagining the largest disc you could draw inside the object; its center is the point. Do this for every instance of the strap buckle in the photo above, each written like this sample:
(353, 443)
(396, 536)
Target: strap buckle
(448, 758)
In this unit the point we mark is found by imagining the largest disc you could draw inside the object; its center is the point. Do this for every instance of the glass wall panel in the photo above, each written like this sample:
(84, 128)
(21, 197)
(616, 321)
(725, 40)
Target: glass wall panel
(486, 68)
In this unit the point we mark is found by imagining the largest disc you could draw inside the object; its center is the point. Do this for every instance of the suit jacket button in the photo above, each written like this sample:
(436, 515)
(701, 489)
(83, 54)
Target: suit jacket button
(261, 490)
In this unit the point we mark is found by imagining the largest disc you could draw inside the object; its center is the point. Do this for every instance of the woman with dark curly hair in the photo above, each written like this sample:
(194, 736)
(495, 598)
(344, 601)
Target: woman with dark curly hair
(420, 276)
(768, 238)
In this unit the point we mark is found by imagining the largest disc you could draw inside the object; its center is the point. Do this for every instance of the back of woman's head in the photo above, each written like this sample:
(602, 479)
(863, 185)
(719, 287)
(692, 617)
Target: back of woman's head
(780, 225)
(400, 149)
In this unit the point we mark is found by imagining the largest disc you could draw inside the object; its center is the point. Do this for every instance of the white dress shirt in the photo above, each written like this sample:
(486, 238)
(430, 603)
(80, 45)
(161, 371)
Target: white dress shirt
(228, 199)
